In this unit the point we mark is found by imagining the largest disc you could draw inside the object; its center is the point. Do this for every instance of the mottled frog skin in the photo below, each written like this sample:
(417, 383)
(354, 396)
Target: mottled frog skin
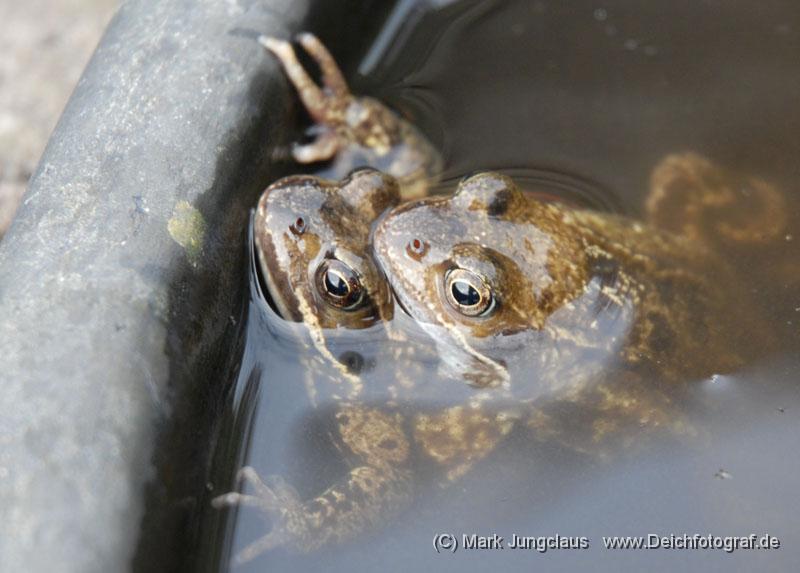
(502, 280)
(534, 308)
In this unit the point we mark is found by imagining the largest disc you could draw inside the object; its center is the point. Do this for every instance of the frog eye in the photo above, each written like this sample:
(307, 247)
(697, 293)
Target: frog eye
(468, 293)
(339, 285)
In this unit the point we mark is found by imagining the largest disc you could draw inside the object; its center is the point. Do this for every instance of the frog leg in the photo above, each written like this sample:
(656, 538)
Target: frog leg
(278, 500)
(318, 104)
(377, 136)
(691, 196)
(460, 436)
(321, 149)
(377, 487)
(326, 107)
(332, 77)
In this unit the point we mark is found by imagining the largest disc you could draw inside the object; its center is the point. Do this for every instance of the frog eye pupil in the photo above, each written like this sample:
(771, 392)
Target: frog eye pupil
(339, 285)
(468, 293)
(335, 285)
(464, 293)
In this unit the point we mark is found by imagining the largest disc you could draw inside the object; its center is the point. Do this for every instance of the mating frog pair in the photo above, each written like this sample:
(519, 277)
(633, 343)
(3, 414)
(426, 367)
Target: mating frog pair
(531, 304)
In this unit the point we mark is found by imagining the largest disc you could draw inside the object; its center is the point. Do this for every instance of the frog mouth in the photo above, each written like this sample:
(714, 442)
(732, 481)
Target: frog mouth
(263, 283)
(399, 303)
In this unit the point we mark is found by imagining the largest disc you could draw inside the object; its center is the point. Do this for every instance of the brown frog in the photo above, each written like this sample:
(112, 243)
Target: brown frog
(311, 236)
(505, 281)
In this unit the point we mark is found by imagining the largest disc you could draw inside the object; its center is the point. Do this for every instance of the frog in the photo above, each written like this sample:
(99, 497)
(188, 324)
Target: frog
(497, 275)
(311, 237)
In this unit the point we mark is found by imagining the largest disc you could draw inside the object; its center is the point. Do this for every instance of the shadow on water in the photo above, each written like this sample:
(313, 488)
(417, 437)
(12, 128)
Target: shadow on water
(582, 101)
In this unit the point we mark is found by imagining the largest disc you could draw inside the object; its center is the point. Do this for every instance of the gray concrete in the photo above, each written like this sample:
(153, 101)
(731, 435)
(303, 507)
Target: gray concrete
(128, 208)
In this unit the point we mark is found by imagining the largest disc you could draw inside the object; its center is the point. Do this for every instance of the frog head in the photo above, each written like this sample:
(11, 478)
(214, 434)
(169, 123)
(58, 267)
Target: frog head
(480, 267)
(312, 236)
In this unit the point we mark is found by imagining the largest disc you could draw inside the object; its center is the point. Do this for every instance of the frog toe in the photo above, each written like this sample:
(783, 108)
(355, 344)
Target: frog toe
(268, 542)
(275, 499)
(323, 148)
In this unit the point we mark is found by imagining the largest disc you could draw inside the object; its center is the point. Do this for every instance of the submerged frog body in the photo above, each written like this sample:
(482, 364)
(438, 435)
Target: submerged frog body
(502, 279)
(692, 197)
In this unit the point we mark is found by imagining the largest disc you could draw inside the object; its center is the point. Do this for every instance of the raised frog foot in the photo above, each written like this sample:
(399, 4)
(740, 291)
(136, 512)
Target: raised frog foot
(277, 500)
(354, 131)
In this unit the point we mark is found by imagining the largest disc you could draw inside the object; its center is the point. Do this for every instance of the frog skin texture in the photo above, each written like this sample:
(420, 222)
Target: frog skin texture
(589, 313)
(536, 269)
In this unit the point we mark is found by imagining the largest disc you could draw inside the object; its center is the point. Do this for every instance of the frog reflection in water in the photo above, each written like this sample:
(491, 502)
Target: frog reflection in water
(535, 305)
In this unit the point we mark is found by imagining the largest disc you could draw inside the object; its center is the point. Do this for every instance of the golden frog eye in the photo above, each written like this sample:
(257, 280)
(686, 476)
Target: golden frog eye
(468, 293)
(339, 285)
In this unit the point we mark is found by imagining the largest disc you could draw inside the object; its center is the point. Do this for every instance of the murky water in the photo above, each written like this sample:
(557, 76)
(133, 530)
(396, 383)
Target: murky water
(576, 100)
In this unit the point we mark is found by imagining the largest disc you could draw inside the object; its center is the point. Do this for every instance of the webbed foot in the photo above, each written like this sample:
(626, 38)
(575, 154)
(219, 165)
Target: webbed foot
(274, 498)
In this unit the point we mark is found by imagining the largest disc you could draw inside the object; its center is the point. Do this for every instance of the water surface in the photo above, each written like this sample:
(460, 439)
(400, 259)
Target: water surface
(579, 100)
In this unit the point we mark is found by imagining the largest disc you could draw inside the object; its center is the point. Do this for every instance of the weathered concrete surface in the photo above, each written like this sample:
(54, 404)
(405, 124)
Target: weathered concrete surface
(43, 49)
(131, 204)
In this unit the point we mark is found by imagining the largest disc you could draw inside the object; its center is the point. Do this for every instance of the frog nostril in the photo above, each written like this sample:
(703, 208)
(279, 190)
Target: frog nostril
(417, 248)
(299, 226)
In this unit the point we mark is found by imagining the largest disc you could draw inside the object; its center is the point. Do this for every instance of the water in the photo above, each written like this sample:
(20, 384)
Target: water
(579, 100)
